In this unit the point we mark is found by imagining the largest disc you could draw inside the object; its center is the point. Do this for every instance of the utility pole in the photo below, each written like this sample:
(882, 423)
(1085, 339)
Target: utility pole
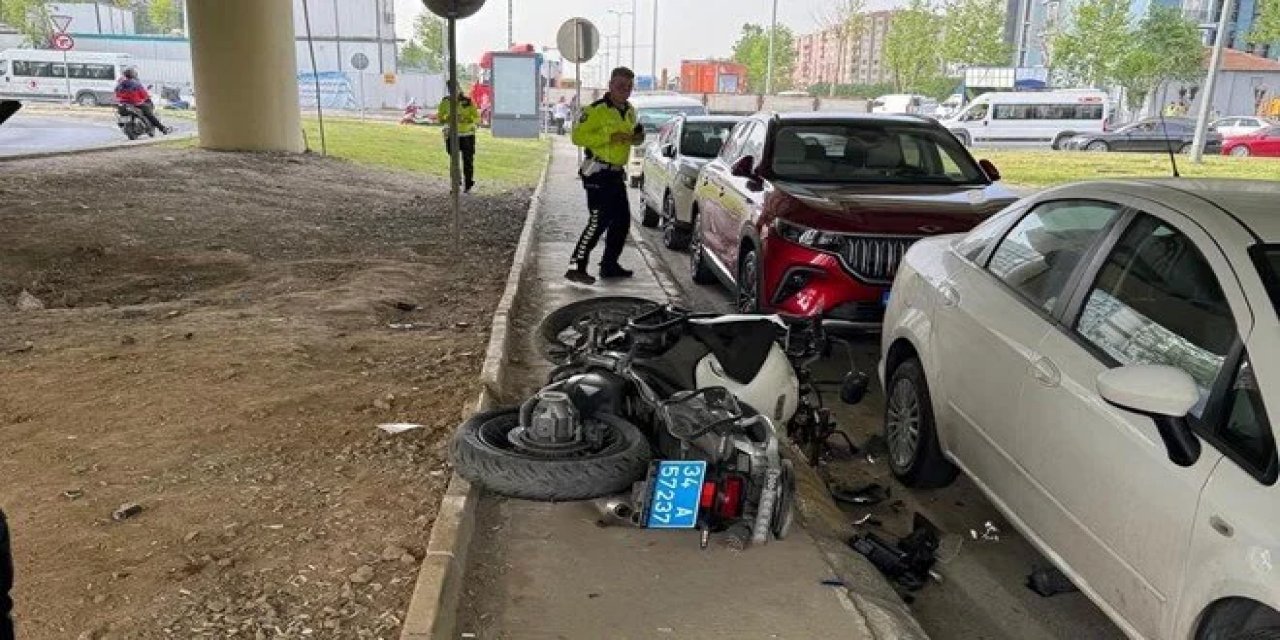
(511, 24)
(773, 33)
(1206, 96)
(653, 64)
(634, 14)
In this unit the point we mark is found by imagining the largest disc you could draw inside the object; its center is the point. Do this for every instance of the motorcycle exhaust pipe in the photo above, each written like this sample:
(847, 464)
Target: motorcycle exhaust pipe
(617, 511)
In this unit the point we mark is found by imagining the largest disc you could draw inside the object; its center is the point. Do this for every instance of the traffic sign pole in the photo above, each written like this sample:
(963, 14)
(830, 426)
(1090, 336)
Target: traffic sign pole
(64, 41)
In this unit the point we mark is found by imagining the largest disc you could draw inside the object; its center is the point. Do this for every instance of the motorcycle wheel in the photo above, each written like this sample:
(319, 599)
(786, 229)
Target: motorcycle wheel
(131, 132)
(784, 510)
(483, 454)
(561, 330)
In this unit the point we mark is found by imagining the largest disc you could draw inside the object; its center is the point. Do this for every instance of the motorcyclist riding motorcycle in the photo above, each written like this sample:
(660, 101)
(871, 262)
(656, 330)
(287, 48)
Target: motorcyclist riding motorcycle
(130, 92)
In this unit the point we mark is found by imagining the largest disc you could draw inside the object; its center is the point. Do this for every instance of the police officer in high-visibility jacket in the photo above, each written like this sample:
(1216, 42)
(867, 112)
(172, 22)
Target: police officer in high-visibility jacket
(468, 120)
(606, 131)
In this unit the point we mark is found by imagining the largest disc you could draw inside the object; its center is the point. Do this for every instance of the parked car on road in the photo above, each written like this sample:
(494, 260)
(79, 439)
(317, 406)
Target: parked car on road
(805, 213)
(671, 167)
(1263, 143)
(1152, 135)
(653, 112)
(1241, 126)
(1101, 359)
(902, 103)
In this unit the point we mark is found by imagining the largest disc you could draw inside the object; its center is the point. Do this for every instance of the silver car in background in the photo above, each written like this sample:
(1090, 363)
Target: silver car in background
(670, 172)
(654, 111)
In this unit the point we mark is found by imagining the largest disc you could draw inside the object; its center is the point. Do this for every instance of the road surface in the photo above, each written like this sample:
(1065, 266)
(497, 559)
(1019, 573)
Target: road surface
(26, 133)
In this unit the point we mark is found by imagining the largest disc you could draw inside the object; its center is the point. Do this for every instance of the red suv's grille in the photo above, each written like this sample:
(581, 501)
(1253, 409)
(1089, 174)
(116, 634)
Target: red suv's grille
(874, 258)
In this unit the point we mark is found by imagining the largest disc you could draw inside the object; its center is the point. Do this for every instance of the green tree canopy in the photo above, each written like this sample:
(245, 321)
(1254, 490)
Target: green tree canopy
(752, 51)
(425, 51)
(909, 47)
(1165, 46)
(1089, 51)
(164, 15)
(974, 33)
(30, 17)
(1267, 28)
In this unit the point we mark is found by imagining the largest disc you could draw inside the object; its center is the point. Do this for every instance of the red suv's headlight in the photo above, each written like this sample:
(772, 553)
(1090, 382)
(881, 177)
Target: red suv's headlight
(813, 238)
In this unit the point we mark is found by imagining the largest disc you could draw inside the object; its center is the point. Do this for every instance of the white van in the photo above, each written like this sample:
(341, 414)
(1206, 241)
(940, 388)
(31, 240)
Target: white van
(37, 74)
(1030, 118)
(904, 103)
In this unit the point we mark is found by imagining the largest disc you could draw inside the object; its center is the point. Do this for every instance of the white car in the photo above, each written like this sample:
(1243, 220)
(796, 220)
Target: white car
(670, 172)
(1241, 126)
(1102, 359)
(652, 112)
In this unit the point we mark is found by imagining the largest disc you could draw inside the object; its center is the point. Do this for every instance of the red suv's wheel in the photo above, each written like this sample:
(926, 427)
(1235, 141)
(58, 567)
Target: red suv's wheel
(749, 282)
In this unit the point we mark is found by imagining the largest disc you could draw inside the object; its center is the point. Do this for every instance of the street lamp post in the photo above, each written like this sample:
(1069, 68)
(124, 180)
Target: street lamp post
(619, 14)
(633, 33)
(653, 64)
(773, 32)
(1206, 96)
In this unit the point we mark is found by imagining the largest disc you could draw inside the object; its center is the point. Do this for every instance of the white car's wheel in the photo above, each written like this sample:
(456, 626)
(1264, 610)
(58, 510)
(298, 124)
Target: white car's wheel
(915, 457)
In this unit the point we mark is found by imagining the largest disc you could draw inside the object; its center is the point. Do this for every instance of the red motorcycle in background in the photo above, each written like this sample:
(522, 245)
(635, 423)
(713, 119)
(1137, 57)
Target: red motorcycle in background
(417, 114)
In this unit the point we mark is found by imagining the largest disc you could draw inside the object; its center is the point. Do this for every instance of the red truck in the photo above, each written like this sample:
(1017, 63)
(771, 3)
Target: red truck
(712, 76)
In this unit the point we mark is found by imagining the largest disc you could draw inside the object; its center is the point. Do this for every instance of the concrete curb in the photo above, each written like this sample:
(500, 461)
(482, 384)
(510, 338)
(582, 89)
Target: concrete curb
(186, 135)
(433, 608)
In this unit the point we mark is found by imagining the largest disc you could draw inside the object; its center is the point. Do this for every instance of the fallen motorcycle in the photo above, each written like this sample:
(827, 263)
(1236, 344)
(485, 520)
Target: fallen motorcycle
(784, 388)
(686, 387)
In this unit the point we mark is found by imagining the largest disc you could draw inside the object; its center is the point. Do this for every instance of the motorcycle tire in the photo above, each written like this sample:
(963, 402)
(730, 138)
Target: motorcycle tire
(784, 510)
(482, 454)
(614, 311)
(131, 132)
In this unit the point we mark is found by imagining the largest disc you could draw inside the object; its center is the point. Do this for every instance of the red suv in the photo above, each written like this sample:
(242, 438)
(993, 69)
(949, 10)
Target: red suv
(810, 213)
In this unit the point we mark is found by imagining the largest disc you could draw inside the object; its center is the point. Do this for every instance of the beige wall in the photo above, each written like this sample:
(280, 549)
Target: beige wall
(246, 75)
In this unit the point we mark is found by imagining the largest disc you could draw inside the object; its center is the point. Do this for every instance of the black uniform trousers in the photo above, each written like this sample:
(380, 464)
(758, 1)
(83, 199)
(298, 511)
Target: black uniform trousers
(466, 149)
(610, 216)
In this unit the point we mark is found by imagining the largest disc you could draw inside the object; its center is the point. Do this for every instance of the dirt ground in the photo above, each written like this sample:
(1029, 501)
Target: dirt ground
(222, 335)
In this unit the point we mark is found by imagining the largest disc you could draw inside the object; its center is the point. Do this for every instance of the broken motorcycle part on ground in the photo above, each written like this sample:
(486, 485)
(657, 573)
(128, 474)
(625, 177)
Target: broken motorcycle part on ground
(910, 562)
(867, 495)
(1050, 581)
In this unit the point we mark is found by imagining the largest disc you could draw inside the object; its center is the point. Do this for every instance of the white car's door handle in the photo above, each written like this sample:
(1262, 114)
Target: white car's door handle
(1221, 526)
(1045, 372)
(950, 297)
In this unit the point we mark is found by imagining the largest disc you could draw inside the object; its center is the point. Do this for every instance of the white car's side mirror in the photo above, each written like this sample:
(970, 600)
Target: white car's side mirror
(1166, 395)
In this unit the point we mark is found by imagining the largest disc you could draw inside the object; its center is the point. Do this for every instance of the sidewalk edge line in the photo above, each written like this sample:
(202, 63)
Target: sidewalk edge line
(433, 608)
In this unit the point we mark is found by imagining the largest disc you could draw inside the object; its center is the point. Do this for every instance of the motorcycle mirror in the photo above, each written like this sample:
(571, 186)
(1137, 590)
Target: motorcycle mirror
(854, 387)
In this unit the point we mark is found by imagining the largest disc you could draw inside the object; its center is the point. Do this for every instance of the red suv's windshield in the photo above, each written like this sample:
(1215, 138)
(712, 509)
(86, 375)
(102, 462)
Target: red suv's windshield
(872, 153)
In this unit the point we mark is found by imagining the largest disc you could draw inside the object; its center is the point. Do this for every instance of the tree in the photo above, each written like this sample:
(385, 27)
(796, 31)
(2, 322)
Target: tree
(414, 56)
(1164, 47)
(752, 51)
(426, 49)
(845, 21)
(1090, 50)
(30, 17)
(164, 15)
(1267, 27)
(974, 33)
(907, 50)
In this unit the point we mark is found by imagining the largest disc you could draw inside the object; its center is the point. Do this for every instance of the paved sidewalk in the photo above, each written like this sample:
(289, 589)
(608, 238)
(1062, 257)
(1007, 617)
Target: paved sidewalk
(548, 571)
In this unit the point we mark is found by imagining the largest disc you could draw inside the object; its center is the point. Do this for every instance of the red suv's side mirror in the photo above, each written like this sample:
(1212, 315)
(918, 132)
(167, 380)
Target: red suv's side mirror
(990, 169)
(744, 167)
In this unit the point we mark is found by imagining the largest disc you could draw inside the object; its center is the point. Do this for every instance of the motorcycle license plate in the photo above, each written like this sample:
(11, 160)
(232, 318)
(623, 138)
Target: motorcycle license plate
(677, 488)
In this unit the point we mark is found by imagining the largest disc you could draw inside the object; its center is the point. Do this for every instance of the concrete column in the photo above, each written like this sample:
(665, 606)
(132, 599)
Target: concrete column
(246, 75)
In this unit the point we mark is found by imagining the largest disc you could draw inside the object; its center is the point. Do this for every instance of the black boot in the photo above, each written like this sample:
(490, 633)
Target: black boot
(615, 271)
(579, 275)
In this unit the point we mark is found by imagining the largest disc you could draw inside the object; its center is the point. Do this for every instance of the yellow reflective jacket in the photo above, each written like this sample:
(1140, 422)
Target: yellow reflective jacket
(595, 128)
(468, 115)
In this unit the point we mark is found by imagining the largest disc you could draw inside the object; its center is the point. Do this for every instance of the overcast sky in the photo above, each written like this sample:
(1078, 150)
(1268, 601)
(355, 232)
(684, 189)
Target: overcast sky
(697, 29)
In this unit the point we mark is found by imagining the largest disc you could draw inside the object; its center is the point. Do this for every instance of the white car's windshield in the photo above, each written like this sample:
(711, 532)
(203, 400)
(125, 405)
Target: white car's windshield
(872, 153)
(653, 118)
(704, 139)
